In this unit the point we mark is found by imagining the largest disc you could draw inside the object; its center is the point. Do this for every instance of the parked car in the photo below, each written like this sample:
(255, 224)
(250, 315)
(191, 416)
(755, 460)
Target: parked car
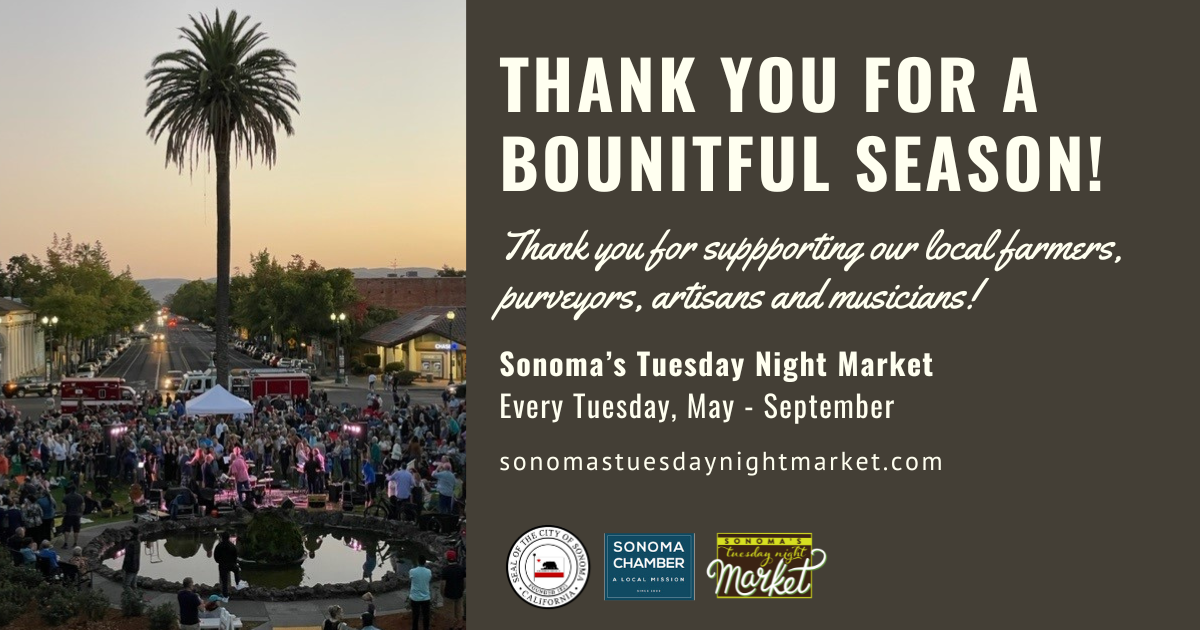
(30, 386)
(307, 367)
(82, 373)
(89, 366)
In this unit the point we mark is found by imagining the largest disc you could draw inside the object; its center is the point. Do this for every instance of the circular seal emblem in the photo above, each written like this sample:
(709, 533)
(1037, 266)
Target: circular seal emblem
(548, 567)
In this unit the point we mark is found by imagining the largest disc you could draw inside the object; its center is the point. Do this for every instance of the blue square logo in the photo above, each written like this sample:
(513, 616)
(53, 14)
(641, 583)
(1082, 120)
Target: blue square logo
(649, 566)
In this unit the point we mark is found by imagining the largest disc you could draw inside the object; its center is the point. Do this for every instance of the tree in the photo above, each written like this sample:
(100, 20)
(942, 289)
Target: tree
(195, 300)
(24, 276)
(77, 285)
(222, 97)
(450, 272)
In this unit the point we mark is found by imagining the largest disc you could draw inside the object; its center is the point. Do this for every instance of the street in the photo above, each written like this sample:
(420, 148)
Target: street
(145, 364)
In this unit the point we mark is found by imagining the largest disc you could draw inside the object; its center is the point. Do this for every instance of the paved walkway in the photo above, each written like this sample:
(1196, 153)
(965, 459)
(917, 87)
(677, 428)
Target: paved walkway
(276, 615)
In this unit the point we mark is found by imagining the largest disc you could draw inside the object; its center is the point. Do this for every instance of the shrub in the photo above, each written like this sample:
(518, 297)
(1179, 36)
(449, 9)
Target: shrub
(24, 578)
(272, 538)
(372, 360)
(132, 604)
(46, 590)
(406, 377)
(10, 610)
(164, 617)
(93, 605)
(394, 366)
(10, 593)
(58, 608)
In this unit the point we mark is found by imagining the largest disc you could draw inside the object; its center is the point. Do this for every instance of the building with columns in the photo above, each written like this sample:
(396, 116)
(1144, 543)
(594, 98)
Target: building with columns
(22, 343)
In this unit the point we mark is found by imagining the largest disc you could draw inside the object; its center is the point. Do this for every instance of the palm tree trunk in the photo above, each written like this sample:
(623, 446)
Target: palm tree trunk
(221, 147)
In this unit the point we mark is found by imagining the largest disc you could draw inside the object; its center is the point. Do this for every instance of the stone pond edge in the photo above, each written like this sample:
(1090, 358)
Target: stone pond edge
(111, 537)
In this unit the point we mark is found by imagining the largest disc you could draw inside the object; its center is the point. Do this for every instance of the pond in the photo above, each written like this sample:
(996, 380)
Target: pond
(334, 556)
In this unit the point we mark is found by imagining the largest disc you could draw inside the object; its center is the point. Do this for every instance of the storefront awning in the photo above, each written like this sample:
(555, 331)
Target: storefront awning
(430, 319)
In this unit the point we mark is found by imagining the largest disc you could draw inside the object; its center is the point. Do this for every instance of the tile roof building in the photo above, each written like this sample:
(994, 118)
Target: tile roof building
(426, 340)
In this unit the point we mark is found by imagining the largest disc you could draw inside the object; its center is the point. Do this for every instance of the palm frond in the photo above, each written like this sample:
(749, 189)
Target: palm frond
(222, 91)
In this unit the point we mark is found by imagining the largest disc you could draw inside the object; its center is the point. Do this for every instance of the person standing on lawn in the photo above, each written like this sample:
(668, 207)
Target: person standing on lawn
(46, 502)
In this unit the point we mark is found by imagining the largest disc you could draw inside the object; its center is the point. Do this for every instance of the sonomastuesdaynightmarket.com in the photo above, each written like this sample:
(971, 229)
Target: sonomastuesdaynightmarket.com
(750, 465)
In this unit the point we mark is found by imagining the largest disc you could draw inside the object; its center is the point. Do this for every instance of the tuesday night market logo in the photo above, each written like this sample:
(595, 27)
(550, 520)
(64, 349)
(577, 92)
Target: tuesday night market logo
(764, 566)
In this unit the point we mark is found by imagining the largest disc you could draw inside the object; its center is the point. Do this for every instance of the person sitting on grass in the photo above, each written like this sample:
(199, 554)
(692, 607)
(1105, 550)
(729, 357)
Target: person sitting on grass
(90, 504)
(111, 508)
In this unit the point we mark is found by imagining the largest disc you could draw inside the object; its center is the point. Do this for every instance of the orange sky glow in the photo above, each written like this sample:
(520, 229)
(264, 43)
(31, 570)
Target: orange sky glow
(376, 172)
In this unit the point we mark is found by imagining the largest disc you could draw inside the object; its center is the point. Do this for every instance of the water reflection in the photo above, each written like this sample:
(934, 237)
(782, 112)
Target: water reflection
(349, 557)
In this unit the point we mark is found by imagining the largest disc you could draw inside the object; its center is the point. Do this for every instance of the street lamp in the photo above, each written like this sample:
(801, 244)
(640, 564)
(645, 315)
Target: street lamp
(49, 323)
(450, 318)
(338, 319)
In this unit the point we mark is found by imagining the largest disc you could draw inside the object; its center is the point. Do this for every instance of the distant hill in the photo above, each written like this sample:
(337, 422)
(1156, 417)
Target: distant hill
(160, 288)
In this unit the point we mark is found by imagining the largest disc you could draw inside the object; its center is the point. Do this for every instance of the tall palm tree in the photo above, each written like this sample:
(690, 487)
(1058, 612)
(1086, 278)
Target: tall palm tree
(223, 95)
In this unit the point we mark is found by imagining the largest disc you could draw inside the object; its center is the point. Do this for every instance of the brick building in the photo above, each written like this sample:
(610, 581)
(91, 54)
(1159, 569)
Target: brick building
(405, 295)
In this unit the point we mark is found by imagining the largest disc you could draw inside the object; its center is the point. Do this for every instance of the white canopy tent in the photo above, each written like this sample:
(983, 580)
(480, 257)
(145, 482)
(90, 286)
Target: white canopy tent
(218, 401)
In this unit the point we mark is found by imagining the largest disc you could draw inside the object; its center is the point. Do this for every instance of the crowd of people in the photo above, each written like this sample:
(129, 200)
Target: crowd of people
(412, 452)
(298, 443)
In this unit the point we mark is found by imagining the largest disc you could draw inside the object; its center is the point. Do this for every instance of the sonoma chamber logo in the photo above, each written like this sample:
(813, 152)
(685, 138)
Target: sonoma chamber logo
(649, 566)
(548, 567)
(765, 566)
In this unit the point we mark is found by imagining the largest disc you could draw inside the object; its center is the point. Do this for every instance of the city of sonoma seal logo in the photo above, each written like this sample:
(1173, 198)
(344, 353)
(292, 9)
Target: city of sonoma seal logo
(765, 566)
(548, 567)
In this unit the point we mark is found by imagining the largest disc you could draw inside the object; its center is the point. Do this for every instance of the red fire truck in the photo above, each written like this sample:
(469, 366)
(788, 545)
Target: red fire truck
(252, 384)
(286, 385)
(93, 393)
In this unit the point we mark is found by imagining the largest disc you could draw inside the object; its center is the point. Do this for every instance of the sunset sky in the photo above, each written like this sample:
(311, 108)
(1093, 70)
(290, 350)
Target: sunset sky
(376, 171)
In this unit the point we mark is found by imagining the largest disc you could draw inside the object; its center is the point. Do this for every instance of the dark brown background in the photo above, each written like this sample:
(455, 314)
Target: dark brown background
(1058, 403)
